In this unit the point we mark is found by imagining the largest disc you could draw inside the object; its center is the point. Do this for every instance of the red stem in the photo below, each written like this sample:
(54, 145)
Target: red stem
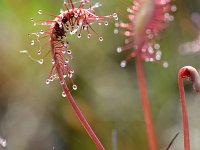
(80, 116)
(184, 112)
(75, 107)
(145, 103)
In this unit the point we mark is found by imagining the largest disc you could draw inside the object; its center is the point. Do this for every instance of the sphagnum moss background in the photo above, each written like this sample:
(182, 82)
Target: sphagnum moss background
(34, 115)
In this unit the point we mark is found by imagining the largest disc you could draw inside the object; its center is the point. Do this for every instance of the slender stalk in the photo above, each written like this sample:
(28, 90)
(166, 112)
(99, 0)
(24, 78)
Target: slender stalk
(75, 107)
(184, 114)
(145, 103)
(191, 74)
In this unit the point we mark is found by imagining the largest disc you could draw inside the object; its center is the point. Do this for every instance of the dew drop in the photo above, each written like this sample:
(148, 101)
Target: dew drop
(89, 36)
(123, 63)
(157, 46)
(101, 38)
(116, 31)
(74, 87)
(158, 57)
(119, 50)
(51, 78)
(47, 81)
(64, 94)
(32, 42)
(165, 64)
(44, 23)
(79, 35)
(41, 32)
(106, 23)
(41, 61)
(53, 61)
(62, 82)
(66, 61)
(115, 16)
(37, 34)
(69, 52)
(66, 44)
(117, 24)
(150, 50)
(173, 8)
(40, 12)
(39, 52)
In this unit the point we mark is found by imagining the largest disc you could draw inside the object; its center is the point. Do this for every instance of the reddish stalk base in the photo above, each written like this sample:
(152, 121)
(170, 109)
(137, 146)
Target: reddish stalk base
(184, 111)
(145, 103)
(75, 107)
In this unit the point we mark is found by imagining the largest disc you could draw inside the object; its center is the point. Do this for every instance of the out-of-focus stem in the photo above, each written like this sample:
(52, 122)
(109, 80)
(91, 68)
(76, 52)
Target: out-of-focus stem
(190, 73)
(145, 103)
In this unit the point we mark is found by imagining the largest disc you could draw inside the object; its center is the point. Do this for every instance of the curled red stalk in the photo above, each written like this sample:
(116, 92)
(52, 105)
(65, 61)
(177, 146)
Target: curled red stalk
(71, 21)
(147, 18)
(192, 75)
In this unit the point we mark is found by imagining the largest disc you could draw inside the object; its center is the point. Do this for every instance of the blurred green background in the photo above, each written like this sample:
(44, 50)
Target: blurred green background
(34, 115)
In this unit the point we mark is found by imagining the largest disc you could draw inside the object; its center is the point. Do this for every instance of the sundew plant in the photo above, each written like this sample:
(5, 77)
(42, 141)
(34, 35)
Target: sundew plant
(105, 75)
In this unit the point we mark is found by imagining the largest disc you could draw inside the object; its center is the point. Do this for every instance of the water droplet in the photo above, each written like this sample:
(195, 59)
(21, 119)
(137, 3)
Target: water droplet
(119, 49)
(66, 61)
(32, 42)
(158, 57)
(79, 35)
(44, 23)
(151, 59)
(123, 63)
(116, 31)
(37, 34)
(47, 81)
(157, 46)
(117, 24)
(150, 50)
(66, 44)
(115, 16)
(51, 78)
(89, 36)
(40, 12)
(41, 32)
(39, 52)
(173, 8)
(101, 38)
(74, 87)
(165, 64)
(100, 23)
(62, 82)
(106, 23)
(53, 61)
(41, 61)
(64, 94)
(69, 52)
